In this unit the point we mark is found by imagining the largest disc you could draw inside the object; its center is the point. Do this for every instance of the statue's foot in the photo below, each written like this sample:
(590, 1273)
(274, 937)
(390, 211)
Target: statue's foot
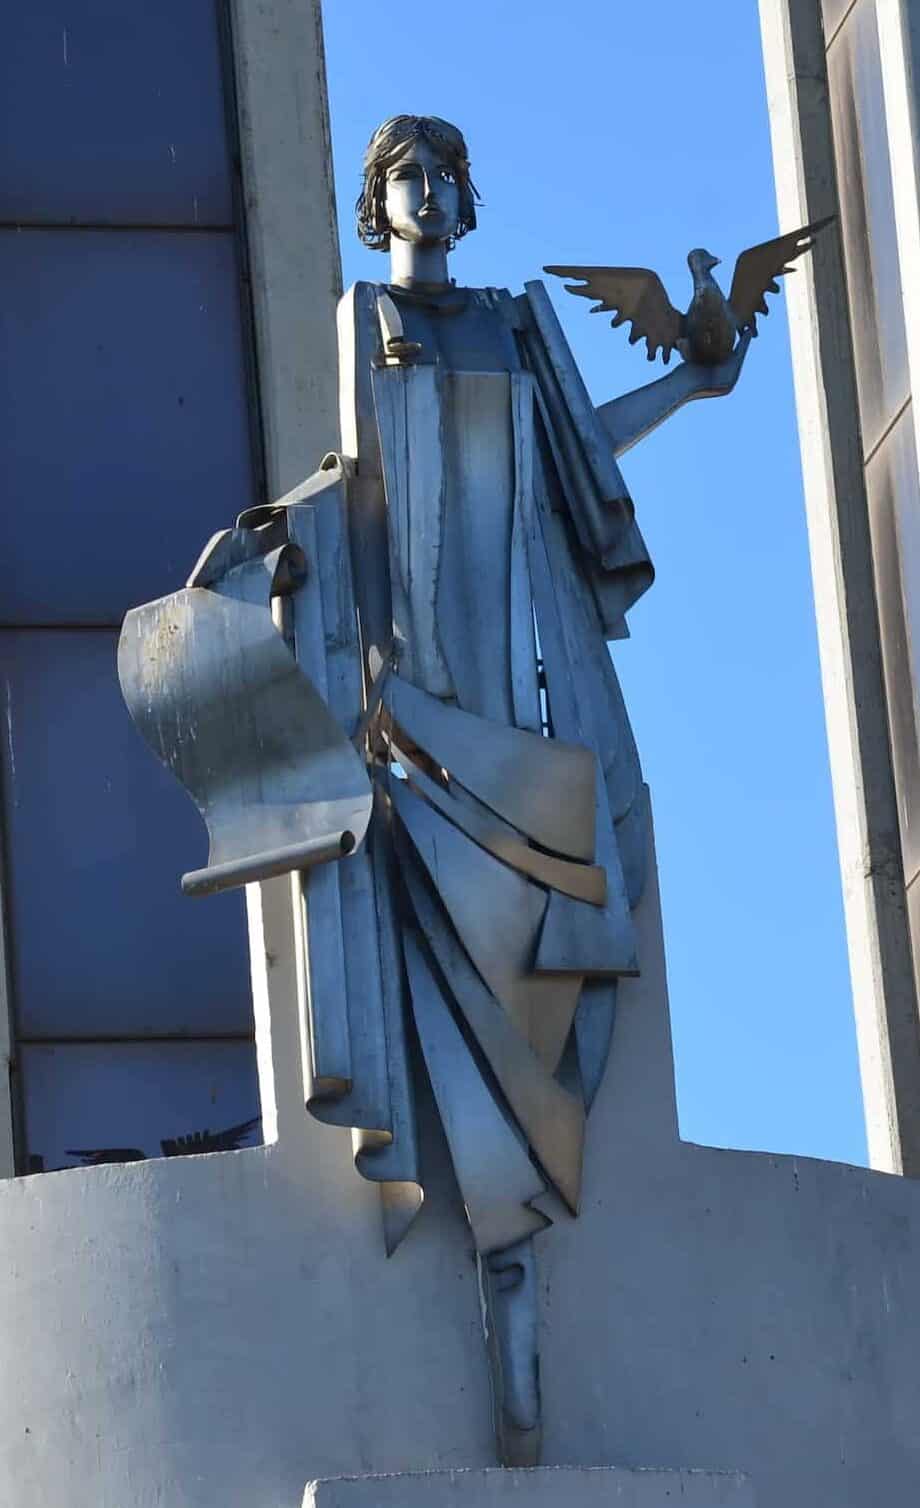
(508, 1282)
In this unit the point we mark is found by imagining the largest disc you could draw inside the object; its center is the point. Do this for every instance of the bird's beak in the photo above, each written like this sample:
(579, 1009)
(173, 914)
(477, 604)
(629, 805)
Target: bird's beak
(717, 261)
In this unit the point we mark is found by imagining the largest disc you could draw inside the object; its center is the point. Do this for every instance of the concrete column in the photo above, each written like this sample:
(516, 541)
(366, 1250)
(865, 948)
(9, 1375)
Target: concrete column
(865, 800)
(899, 47)
(7, 1157)
(290, 225)
(295, 281)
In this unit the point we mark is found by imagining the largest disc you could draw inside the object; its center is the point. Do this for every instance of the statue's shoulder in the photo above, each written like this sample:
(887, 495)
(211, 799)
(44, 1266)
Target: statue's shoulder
(356, 319)
(360, 293)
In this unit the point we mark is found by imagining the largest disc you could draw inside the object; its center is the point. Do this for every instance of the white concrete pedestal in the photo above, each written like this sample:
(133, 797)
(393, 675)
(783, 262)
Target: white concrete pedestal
(544, 1487)
(222, 1329)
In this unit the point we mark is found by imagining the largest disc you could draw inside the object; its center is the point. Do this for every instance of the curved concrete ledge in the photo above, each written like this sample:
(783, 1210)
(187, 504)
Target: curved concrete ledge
(544, 1487)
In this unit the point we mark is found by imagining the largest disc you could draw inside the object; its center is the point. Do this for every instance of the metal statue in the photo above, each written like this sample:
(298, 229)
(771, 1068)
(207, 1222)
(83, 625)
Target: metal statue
(708, 331)
(421, 629)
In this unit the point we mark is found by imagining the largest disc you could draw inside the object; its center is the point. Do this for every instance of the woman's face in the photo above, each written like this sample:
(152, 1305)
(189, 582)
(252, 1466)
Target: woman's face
(422, 195)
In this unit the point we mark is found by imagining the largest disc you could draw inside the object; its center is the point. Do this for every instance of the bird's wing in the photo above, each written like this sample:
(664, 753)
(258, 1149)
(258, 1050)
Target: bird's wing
(635, 294)
(757, 269)
(229, 1140)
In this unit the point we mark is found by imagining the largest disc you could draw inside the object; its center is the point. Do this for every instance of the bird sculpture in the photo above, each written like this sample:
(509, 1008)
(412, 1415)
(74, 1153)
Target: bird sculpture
(712, 323)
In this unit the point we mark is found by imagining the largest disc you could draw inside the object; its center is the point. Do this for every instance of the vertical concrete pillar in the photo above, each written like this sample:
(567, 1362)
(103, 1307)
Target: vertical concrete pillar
(7, 1157)
(899, 46)
(295, 282)
(865, 796)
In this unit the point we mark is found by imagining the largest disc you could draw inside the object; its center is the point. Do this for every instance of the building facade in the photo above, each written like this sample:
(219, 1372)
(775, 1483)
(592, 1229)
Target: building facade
(158, 379)
(843, 111)
(224, 1329)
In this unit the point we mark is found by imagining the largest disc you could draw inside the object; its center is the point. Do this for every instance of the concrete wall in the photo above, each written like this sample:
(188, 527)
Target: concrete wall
(223, 1329)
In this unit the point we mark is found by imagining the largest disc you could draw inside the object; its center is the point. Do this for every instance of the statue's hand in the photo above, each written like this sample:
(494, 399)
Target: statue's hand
(632, 417)
(716, 382)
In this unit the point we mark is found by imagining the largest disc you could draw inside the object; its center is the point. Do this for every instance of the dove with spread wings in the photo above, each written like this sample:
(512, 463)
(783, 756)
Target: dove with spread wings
(706, 333)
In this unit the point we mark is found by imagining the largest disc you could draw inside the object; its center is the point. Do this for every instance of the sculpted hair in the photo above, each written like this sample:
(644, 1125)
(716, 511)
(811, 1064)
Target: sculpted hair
(385, 147)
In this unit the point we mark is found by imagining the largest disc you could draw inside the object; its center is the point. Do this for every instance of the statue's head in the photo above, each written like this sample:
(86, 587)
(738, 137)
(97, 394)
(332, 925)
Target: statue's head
(417, 184)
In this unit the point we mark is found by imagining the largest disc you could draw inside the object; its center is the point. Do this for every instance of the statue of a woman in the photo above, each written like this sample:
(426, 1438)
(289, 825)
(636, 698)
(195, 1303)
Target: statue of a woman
(477, 549)
(494, 552)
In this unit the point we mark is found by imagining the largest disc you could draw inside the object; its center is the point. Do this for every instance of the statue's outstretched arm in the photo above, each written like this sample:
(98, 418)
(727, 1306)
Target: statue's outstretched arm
(632, 417)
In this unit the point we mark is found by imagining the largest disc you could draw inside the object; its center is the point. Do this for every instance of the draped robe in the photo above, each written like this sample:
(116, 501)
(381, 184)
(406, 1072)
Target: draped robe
(491, 552)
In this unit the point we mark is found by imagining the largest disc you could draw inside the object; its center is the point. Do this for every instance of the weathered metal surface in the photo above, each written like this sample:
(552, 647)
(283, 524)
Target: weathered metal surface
(476, 520)
(350, 961)
(497, 914)
(706, 333)
(543, 787)
(525, 693)
(508, 1282)
(585, 882)
(408, 406)
(493, 1170)
(596, 941)
(474, 588)
(550, 1117)
(214, 689)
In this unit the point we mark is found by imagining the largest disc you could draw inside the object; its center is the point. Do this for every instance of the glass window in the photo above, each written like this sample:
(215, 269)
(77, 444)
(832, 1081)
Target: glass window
(89, 1103)
(125, 438)
(111, 111)
(103, 943)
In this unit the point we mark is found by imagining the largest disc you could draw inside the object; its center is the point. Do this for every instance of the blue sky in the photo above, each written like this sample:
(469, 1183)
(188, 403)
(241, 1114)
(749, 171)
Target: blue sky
(617, 133)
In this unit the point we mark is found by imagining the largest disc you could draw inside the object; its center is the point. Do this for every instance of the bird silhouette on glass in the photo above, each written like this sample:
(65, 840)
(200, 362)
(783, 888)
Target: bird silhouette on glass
(229, 1140)
(707, 332)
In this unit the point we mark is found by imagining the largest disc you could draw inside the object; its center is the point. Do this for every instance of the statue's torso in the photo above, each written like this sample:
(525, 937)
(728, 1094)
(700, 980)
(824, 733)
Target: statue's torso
(457, 554)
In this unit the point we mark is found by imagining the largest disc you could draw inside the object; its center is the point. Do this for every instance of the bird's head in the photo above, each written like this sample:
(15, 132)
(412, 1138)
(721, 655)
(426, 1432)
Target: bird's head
(701, 261)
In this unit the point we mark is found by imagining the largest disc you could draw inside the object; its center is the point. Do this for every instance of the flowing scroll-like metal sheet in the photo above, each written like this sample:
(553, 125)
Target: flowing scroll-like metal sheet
(214, 689)
(496, 1177)
(542, 786)
(497, 914)
(552, 1119)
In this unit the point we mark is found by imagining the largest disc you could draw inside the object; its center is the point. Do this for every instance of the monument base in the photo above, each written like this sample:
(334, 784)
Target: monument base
(540, 1487)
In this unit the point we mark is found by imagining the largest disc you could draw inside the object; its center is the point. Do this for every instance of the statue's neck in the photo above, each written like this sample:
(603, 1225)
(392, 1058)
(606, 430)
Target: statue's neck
(414, 266)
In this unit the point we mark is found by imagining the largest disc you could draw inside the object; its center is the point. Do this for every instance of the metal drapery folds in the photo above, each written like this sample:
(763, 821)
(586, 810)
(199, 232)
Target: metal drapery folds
(352, 675)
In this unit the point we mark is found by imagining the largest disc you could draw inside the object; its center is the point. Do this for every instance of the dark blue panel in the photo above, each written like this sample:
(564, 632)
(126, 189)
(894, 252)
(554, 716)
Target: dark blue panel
(109, 1097)
(112, 111)
(98, 832)
(124, 439)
